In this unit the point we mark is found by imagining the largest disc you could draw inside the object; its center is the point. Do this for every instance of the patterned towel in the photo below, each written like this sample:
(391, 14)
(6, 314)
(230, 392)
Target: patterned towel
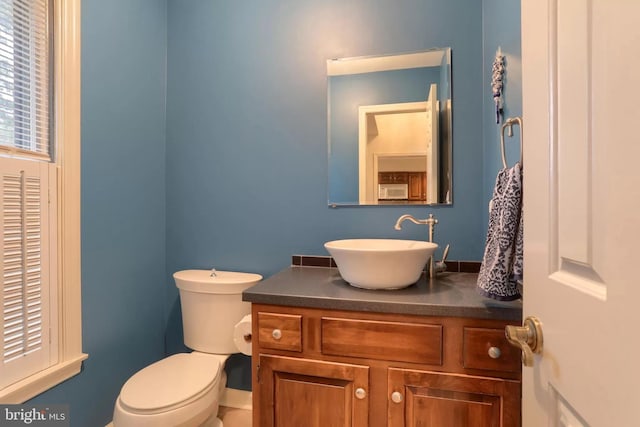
(501, 267)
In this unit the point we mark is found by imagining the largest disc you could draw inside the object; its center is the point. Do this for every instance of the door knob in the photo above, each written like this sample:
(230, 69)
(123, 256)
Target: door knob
(527, 338)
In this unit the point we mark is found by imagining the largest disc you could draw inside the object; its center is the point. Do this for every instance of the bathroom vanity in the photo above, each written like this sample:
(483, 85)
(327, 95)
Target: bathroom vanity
(328, 354)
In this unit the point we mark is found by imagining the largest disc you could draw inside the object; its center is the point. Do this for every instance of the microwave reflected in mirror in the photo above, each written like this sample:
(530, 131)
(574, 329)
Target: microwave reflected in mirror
(390, 129)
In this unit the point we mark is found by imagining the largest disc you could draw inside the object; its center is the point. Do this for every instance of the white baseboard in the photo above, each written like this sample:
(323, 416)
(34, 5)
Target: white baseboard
(232, 398)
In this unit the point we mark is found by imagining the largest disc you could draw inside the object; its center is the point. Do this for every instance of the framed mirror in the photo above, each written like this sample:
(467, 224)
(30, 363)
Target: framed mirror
(389, 134)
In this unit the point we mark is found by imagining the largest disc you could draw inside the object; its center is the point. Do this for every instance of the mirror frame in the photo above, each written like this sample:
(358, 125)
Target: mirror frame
(440, 57)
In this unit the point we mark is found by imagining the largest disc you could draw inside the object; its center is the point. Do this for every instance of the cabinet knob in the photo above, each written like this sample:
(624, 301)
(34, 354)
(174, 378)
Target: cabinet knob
(276, 334)
(360, 393)
(494, 352)
(396, 397)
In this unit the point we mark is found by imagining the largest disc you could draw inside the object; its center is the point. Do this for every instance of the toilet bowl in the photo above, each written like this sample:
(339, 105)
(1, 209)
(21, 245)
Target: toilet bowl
(184, 389)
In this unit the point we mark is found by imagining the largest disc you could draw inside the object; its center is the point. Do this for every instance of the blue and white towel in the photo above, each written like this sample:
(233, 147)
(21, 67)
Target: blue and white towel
(501, 268)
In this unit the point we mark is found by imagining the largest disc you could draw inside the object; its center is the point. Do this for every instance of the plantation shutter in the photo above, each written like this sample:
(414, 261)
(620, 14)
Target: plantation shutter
(25, 77)
(25, 135)
(25, 296)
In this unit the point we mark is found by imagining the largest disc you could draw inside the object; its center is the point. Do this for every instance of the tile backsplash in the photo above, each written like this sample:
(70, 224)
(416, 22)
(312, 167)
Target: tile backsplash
(327, 261)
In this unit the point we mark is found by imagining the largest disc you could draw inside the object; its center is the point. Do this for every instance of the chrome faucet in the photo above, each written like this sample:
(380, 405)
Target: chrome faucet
(431, 222)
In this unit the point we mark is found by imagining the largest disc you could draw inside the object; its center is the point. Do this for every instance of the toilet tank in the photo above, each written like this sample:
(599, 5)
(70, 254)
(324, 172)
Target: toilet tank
(211, 307)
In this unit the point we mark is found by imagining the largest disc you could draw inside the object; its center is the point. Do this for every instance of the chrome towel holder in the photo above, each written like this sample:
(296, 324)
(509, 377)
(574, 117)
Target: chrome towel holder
(508, 124)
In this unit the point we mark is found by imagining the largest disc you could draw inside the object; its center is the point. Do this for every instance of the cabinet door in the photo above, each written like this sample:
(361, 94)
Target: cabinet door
(417, 185)
(393, 177)
(300, 392)
(385, 178)
(433, 399)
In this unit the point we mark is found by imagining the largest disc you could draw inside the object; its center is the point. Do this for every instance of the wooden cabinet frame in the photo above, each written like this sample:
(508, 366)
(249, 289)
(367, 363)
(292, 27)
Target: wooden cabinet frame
(349, 350)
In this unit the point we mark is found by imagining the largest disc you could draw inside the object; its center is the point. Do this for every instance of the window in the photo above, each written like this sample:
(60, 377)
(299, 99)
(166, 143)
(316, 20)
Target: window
(39, 196)
(25, 93)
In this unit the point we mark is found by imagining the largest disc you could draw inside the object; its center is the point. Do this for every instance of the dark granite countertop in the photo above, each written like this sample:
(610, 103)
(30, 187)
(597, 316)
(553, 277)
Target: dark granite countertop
(450, 294)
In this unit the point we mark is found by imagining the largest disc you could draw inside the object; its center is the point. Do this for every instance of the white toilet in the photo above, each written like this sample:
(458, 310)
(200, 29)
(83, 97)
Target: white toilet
(183, 389)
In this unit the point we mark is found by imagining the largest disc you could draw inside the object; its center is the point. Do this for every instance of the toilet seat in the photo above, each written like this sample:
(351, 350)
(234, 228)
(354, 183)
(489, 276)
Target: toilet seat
(170, 383)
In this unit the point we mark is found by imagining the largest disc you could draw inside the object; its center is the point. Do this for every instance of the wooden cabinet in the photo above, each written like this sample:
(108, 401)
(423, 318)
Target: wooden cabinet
(279, 331)
(420, 398)
(315, 367)
(417, 185)
(300, 392)
(393, 178)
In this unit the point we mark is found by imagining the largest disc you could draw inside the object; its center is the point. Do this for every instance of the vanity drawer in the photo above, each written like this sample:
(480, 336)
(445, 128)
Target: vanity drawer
(488, 349)
(280, 331)
(395, 341)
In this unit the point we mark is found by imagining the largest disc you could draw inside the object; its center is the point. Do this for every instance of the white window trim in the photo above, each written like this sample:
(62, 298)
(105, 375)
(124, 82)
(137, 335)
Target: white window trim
(68, 339)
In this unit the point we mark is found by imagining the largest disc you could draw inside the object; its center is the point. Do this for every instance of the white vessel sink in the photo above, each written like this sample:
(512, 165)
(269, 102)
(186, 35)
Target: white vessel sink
(380, 263)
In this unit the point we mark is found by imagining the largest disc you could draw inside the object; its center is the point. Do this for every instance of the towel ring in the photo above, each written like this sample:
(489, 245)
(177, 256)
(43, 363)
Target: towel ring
(508, 124)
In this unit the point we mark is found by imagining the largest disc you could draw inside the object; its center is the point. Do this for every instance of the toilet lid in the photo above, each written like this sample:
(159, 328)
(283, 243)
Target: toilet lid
(170, 382)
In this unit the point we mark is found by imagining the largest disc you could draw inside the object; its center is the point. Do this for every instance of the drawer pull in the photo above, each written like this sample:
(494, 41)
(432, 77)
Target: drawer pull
(276, 334)
(494, 352)
(396, 397)
(360, 393)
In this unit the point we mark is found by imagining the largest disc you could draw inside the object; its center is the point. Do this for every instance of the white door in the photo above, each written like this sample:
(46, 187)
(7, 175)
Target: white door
(581, 96)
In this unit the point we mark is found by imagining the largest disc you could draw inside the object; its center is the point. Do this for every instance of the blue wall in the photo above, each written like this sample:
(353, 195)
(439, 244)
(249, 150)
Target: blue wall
(247, 127)
(501, 28)
(123, 202)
